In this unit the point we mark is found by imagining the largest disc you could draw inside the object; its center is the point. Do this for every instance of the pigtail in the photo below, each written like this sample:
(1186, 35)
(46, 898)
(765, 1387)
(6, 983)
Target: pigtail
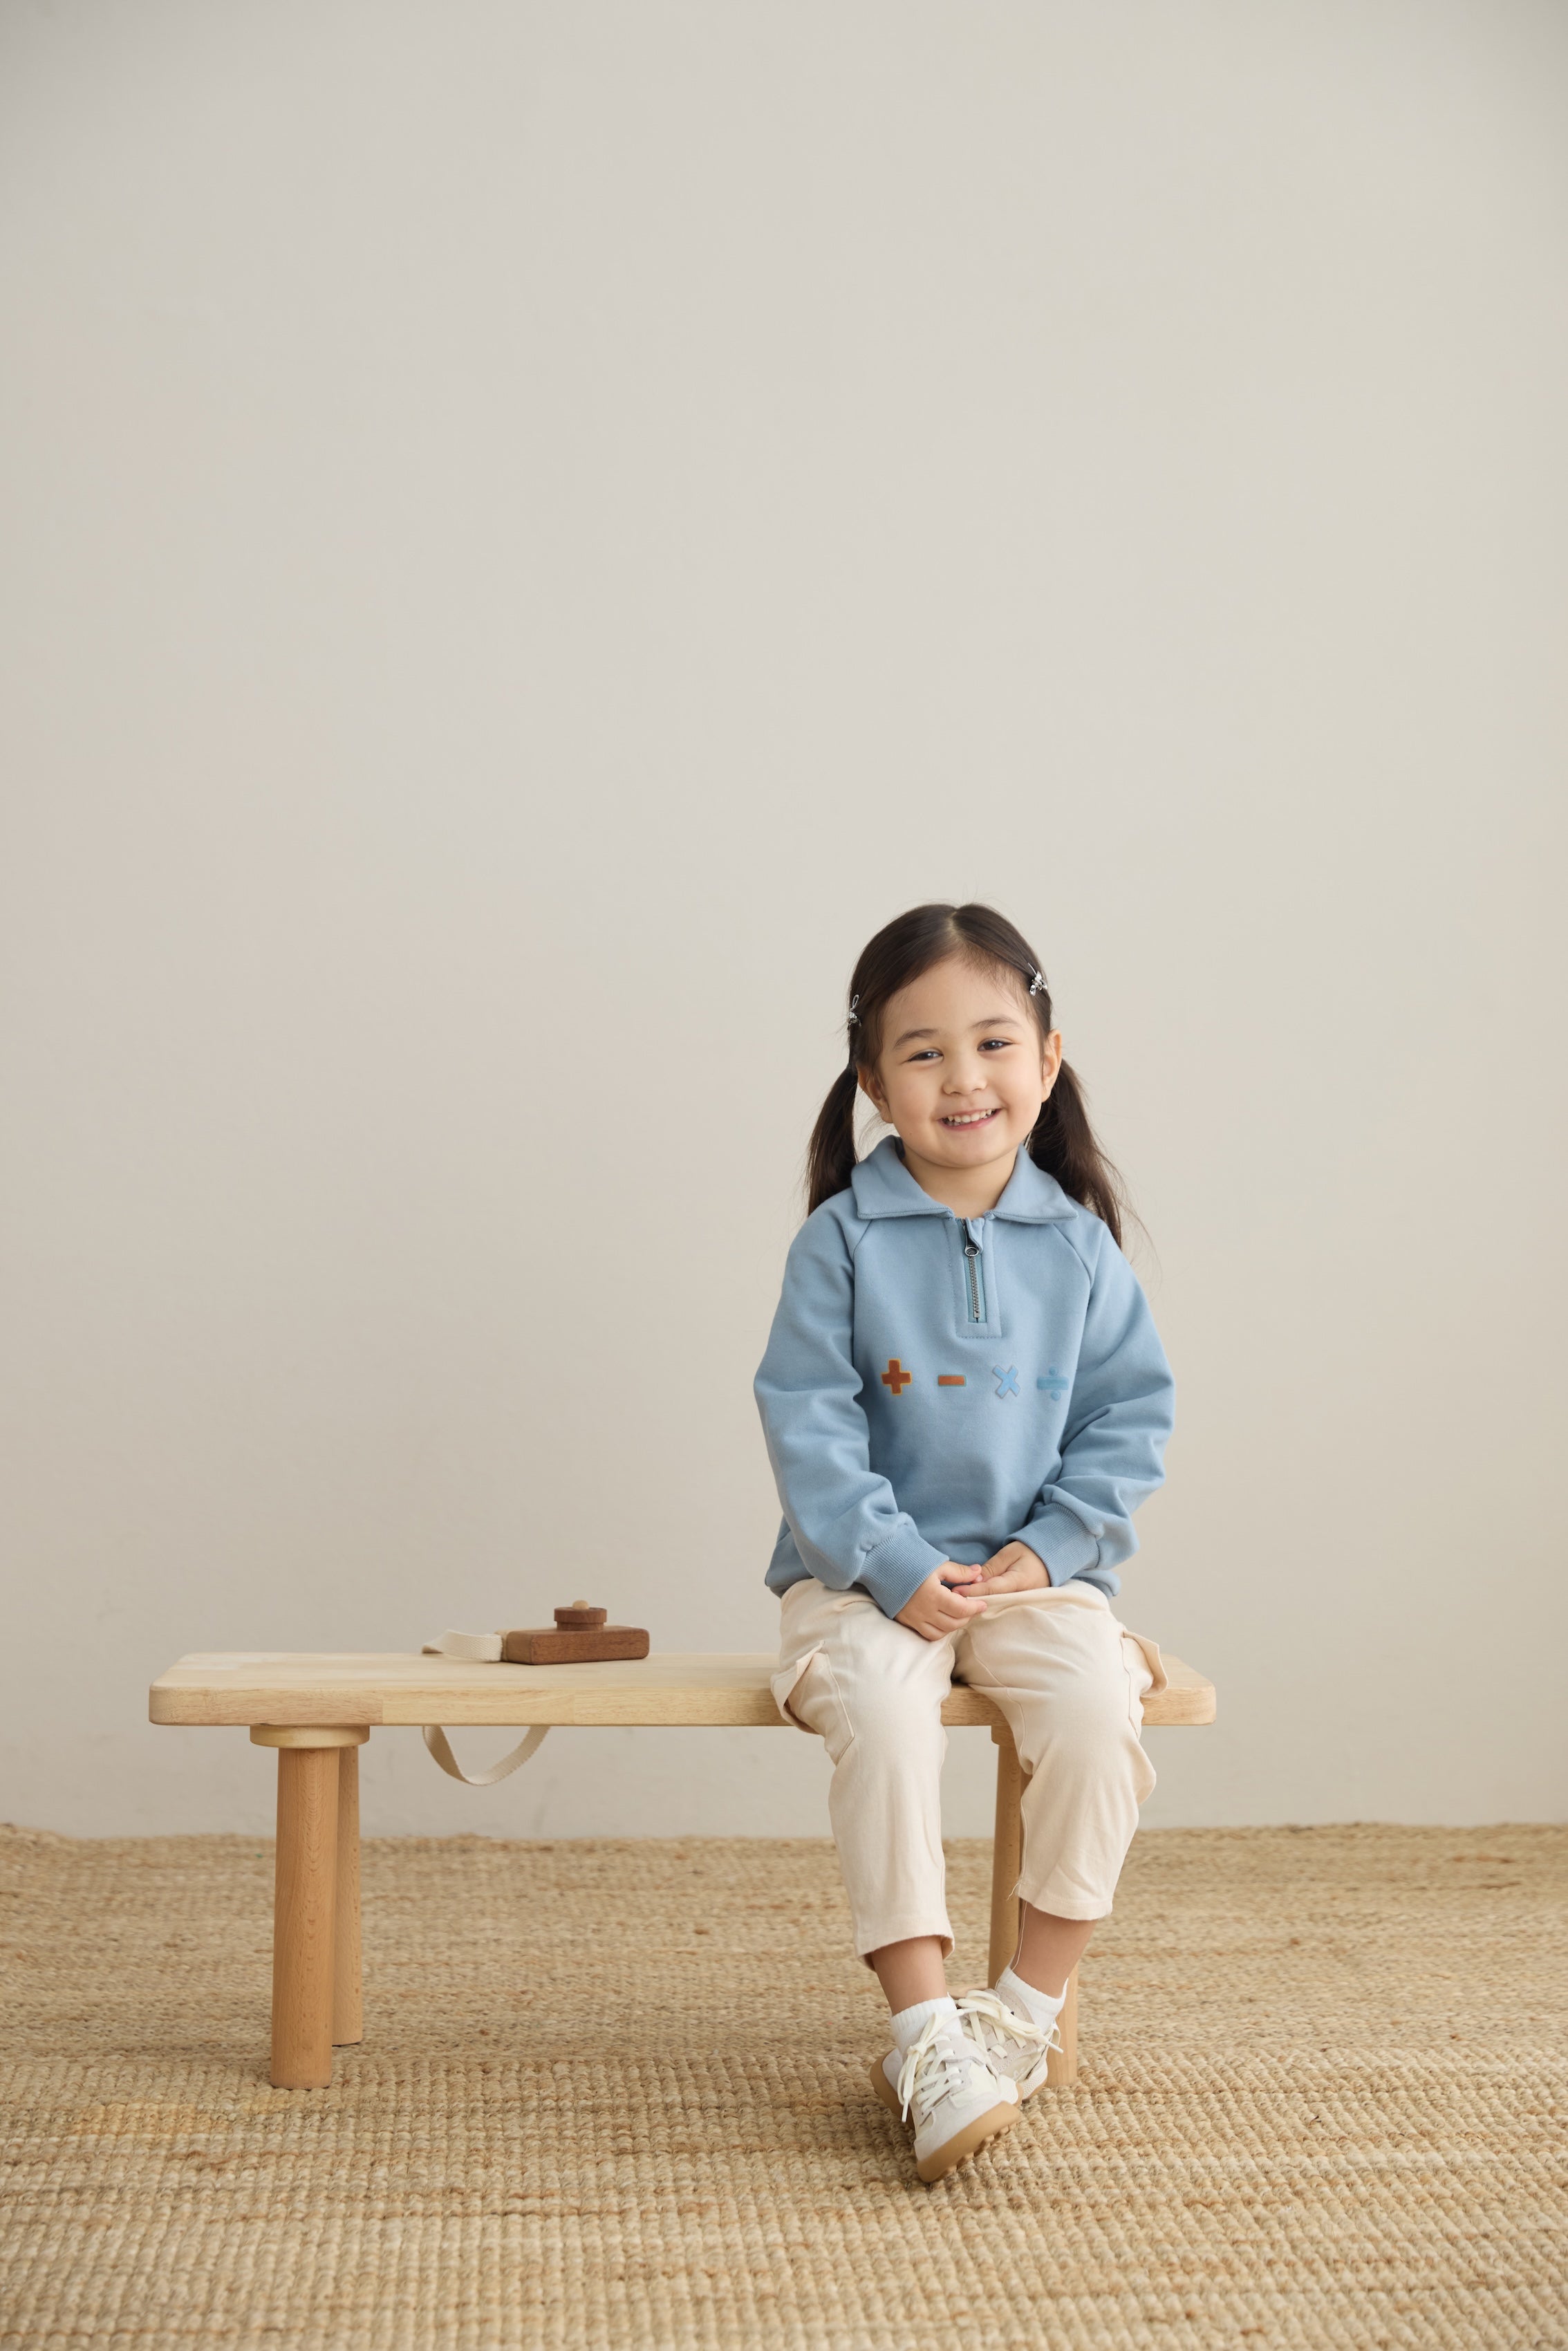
(1064, 1144)
(830, 1157)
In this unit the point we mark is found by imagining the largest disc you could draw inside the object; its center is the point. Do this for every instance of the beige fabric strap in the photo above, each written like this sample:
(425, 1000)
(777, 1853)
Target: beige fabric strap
(440, 1746)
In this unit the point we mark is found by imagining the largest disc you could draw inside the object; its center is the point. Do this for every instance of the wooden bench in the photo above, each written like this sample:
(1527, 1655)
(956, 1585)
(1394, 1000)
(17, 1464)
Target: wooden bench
(317, 1712)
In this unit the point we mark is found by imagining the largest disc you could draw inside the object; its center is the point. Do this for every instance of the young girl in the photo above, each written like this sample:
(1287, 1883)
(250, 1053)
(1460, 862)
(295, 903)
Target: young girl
(965, 1401)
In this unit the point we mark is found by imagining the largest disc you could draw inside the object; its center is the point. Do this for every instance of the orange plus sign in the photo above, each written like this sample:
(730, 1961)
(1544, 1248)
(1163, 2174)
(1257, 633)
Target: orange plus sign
(895, 1377)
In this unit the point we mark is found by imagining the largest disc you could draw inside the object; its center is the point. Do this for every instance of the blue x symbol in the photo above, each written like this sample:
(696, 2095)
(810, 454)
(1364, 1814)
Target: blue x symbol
(1007, 1381)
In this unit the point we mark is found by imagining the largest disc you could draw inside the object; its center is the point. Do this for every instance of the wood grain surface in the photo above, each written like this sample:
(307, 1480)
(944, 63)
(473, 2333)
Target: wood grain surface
(215, 1687)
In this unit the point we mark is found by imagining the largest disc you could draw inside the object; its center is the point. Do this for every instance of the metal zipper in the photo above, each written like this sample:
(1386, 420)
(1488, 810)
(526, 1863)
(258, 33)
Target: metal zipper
(976, 1276)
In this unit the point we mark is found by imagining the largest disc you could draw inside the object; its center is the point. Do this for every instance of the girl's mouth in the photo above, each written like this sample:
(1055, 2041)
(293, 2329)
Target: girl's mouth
(969, 1117)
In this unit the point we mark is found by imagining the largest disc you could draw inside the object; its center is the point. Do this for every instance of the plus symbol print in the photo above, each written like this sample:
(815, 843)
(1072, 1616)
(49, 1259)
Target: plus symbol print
(895, 1377)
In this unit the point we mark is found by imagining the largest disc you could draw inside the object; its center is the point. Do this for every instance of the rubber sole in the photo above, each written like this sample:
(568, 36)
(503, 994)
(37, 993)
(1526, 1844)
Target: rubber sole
(963, 2144)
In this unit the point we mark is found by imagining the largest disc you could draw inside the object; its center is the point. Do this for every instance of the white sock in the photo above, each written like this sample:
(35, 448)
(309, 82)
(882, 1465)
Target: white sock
(910, 2023)
(1043, 2006)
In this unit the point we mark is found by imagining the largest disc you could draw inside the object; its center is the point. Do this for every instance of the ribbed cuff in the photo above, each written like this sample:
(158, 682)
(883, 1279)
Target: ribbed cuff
(1062, 1542)
(893, 1573)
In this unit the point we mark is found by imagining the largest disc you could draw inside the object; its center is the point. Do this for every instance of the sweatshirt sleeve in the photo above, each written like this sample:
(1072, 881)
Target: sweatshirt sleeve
(844, 1517)
(1119, 1417)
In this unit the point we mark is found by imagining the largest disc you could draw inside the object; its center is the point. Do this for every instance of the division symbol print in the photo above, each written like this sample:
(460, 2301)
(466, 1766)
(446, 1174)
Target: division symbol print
(895, 1377)
(1054, 1384)
(1007, 1381)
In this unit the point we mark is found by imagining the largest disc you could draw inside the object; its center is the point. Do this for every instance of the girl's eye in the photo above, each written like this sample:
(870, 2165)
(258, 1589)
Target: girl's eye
(1001, 1043)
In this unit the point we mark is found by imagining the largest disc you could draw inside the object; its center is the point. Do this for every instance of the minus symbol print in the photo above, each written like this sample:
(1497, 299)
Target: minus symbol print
(950, 1379)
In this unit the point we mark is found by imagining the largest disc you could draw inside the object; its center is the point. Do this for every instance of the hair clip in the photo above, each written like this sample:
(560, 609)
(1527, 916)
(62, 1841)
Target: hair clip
(1037, 985)
(854, 1020)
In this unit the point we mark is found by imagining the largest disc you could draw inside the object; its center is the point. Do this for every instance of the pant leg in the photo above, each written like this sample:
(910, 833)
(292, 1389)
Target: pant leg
(1070, 1682)
(873, 1690)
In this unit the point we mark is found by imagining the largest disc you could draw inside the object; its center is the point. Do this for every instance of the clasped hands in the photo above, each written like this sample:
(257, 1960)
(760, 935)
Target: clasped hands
(951, 1594)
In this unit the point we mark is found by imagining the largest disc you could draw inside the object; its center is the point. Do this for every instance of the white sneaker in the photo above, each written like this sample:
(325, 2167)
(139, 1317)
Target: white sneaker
(1016, 2048)
(943, 2086)
(1013, 2046)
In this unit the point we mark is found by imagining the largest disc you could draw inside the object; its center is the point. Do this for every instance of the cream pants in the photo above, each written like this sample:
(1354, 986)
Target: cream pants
(1070, 1682)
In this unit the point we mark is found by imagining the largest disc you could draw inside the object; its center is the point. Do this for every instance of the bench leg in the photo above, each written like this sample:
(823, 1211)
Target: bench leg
(1062, 2065)
(305, 1907)
(1007, 1860)
(1006, 1854)
(348, 2024)
(302, 1918)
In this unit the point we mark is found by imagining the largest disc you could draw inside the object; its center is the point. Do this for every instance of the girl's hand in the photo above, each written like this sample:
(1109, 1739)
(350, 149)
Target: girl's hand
(935, 1608)
(1014, 1568)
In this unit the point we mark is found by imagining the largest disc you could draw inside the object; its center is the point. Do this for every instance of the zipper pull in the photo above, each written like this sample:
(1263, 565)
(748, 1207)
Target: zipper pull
(972, 1241)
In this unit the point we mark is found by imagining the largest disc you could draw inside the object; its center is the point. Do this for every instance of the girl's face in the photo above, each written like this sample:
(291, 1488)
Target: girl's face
(963, 1068)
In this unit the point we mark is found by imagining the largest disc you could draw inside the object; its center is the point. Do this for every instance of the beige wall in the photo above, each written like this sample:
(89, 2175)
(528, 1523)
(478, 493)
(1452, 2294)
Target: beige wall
(528, 533)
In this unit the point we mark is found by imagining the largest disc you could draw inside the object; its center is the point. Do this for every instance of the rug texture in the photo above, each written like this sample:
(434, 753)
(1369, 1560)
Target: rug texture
(614, 2095)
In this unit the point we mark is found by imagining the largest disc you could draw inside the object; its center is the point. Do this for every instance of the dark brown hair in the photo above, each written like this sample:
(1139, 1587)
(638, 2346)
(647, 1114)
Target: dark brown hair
(1062, 1142)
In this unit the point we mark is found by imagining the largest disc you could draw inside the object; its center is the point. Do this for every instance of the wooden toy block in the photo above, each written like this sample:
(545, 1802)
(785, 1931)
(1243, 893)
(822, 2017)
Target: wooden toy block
(580, 1636)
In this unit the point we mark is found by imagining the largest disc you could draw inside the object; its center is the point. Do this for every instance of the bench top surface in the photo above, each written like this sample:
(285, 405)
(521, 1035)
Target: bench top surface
(269, 1685)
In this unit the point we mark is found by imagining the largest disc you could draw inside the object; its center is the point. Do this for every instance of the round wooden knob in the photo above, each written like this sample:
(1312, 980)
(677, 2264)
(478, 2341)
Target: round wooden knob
(580, 1617)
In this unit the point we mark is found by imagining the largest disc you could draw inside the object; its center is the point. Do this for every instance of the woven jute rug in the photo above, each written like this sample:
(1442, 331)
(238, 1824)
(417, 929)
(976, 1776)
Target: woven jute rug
(614, 2095)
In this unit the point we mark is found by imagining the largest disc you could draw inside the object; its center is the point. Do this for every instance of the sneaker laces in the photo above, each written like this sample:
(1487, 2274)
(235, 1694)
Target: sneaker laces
(938, 2065)
(994, 2025)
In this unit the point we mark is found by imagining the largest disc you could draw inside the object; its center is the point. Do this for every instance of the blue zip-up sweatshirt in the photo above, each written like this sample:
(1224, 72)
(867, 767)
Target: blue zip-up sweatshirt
(935, 1388)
